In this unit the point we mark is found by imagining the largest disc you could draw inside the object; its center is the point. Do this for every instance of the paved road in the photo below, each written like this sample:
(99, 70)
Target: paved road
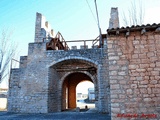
(55, 116)
(83, 104)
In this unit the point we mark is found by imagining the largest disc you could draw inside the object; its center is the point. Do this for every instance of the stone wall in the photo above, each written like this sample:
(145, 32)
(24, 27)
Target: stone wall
(134, 73)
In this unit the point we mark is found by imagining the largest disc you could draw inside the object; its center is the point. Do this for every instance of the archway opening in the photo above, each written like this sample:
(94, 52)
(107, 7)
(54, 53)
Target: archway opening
(69, 96)
(85, 95)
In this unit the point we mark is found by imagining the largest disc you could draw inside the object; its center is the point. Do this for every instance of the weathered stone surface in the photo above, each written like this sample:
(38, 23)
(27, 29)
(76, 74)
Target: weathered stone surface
(141, 76)
(114, 20)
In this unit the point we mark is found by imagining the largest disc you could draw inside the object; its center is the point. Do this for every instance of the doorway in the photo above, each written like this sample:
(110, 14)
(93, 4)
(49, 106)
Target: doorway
(69, 99)
(85, 95)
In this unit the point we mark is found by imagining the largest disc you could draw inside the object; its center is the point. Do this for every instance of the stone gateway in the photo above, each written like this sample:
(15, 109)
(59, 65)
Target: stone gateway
(47, 78)
(125, 72)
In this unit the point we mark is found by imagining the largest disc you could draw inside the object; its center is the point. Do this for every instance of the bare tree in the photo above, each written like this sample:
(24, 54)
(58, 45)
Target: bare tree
(7, 52)
(135, 14)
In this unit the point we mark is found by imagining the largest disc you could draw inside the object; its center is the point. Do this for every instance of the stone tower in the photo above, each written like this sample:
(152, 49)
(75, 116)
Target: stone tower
(114, 20)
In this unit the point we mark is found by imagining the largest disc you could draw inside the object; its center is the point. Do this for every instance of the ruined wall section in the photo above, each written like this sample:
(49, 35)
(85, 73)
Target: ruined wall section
(134, 72)
(42, 29)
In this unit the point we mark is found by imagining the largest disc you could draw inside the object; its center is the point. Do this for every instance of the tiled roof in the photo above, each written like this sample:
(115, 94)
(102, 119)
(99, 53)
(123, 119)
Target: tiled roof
(147, 27)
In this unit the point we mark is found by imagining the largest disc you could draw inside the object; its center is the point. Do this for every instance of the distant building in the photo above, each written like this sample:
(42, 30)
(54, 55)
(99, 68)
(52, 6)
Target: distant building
(3, 92)
(91, 94)
(81, 96)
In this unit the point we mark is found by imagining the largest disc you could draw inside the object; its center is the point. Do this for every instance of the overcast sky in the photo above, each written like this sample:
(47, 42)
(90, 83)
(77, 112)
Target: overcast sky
(72, 18)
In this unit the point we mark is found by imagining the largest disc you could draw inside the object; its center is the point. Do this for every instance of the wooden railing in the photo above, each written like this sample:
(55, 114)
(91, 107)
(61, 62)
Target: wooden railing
(57, 43)
(61, 41)
(94, 42)
(98, 40)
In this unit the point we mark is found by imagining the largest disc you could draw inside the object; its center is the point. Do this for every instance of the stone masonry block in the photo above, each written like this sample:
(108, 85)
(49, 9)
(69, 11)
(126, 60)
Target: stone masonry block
(112, 67)
(150, 54)
(156, 73)
(158, 64)
(135, 56)
(115, 86)
(133, 66)
(113, 58)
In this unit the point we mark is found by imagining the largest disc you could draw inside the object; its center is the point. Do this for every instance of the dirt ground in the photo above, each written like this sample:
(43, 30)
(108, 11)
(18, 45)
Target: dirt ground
(91, 114)
(55, 116)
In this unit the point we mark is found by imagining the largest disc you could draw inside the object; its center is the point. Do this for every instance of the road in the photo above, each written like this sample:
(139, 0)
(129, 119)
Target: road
(55, 116)
(91, 114)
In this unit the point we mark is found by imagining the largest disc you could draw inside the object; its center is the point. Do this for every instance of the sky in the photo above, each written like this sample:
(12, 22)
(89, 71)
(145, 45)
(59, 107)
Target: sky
(73, 18)
(85, 88)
